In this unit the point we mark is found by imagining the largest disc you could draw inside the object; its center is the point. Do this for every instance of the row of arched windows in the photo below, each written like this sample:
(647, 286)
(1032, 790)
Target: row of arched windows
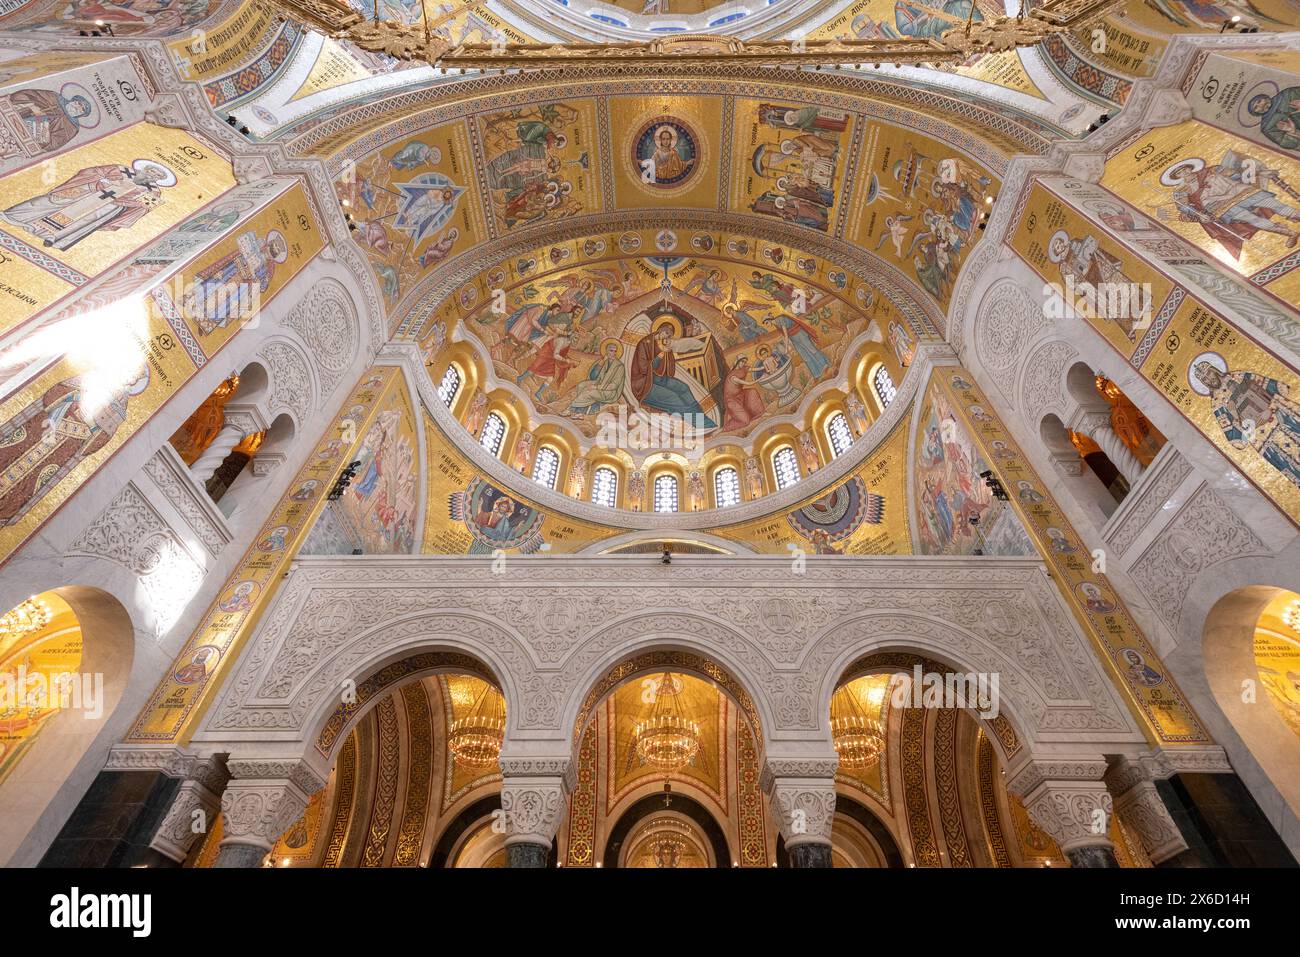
(666, 498)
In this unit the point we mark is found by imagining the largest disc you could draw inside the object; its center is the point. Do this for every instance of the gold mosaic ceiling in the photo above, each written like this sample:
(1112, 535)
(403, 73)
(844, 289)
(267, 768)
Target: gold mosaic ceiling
(561, 234)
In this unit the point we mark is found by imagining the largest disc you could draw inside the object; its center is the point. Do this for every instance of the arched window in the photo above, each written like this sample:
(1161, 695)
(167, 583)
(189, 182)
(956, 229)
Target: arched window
(494, 432)
(726, 487)
(449, 386)
(786, 466)
(883, 383)
(666, 493)
(604, 487)
(546, 467)
(839, 433)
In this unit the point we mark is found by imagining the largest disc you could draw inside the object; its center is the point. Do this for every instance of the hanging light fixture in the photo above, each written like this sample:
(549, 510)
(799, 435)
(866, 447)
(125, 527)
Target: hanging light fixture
(24, 618)
(475, 740)
(858, 738)
(667, 848)
(667, 740)
(1291, 615)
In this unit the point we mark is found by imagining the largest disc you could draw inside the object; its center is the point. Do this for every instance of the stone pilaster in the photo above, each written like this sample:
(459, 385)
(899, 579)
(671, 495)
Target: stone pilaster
(1067, 798)
(802, 796)
(193, 811)
(533, 802)
(1136, 798)
(263, 798)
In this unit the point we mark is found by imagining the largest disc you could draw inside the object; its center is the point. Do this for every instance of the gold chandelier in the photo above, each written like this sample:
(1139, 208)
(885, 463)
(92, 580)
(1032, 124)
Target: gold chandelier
(23, 619)
(859, 739)
(667, 740)
(1291, 615)
(667, 848)
(475, 740)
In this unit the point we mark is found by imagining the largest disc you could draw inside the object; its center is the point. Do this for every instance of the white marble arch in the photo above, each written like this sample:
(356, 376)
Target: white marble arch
(549, 629)
(44, 786)
(1213, 660)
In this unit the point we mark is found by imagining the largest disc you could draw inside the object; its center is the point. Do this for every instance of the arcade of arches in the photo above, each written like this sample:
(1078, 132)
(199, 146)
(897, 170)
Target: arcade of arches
(733, 448)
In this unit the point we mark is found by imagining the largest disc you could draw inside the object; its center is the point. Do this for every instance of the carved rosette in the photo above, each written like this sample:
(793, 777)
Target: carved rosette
(1068, 799)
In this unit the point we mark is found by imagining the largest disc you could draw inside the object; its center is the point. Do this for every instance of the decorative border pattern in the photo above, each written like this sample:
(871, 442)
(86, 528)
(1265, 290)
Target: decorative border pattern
(390, 762)
(581, 851)
(389, 676)
(346, 776)
(419, 782)
(925, 851)
(997, 841)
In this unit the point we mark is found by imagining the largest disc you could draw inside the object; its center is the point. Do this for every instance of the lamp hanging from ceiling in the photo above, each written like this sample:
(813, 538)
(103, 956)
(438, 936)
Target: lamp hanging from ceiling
(667, 740)
(859, 738)
(475, 740)
(23, 619)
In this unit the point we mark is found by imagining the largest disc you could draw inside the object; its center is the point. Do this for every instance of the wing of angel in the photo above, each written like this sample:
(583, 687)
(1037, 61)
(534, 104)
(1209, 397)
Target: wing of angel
(567, 282)
(609, 278)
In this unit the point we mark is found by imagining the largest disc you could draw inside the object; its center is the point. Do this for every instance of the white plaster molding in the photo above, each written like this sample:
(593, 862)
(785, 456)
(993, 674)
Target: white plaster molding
(563, 621)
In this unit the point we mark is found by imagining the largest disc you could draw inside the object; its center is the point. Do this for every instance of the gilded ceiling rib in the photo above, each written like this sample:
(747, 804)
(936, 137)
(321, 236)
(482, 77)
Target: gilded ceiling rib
(953, 48)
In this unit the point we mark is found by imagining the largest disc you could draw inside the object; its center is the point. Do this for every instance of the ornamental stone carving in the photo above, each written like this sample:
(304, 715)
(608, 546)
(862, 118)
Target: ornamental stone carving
(130, 533)
(1204, 533)
(784, 638)
(262, 798)
(1140, 805)
(1068, 799)
(326, 320)
(291, 385)
(1007, 321)
(532, 810)
(1044, 376)
(1160, 480)
(193, 811)
(168, 471)
(804, 808)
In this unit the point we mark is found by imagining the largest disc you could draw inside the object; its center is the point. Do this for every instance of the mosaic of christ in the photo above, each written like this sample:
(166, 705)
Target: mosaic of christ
(728, 347)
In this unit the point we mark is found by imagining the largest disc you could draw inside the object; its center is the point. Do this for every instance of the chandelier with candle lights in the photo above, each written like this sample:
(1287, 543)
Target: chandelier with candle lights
(23, 619)
(1291, 615)
(475, 740)
(859, 738)
(667, 740)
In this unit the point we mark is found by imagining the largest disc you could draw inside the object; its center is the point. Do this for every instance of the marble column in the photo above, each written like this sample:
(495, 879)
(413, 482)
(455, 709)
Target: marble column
(193, 811)
(533, 802)
(1096, 425)
(238, 424)
(802, 796)
(263, 798)
(1067, 798)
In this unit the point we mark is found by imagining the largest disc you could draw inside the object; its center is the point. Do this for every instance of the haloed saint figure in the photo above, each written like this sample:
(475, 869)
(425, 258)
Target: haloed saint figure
(98, 197)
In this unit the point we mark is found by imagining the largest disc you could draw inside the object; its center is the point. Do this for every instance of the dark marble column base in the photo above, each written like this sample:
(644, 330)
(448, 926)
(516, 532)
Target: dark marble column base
(114, 823)
(240, 855)
(1221, 823)
(811, 854)
(1094, 855)
(526, 855)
